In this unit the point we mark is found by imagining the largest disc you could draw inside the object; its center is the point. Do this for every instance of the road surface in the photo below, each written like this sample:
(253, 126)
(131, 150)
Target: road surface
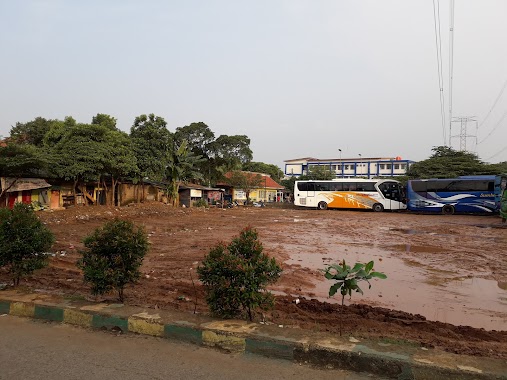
(38, 350)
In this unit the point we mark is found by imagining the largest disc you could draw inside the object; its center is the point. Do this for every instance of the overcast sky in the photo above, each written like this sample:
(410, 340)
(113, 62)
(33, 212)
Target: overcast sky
(300, 78)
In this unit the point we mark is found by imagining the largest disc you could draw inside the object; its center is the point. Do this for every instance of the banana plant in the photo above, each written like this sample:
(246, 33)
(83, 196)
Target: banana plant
(347, 278)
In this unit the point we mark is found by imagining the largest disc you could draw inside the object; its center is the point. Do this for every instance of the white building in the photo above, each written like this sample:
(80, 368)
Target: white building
(351, 167)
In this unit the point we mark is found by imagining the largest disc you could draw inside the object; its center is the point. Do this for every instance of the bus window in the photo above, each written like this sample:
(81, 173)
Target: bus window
(321, 186)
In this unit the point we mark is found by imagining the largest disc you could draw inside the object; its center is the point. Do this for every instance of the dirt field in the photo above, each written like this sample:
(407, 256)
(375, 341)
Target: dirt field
(446, 285)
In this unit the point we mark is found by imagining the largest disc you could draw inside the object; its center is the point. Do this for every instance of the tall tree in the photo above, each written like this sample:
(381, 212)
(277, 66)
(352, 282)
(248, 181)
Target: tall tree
(231, 152)
(31, 132)
(245, 181)
(260, 167)
(200, 140)
(80, 154)
(446, 162)
(105, 120)
(120, 161)
(182, 165)
(151, 142)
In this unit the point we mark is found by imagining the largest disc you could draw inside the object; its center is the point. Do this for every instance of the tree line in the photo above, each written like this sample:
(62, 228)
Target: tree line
(100, 152)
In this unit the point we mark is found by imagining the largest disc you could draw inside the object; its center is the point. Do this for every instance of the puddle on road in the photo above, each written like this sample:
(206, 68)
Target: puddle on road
(410, 286)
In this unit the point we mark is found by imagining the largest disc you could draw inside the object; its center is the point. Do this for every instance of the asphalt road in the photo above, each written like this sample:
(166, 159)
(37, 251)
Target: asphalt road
(37, 350)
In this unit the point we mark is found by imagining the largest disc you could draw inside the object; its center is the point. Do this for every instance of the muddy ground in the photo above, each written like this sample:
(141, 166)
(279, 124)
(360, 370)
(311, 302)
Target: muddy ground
(446, 285)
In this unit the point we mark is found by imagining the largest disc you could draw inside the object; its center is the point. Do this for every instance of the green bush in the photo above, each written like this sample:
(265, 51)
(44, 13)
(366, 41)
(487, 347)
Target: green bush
(113, 256)
(235, 277)
(200, 203)
(24, 239)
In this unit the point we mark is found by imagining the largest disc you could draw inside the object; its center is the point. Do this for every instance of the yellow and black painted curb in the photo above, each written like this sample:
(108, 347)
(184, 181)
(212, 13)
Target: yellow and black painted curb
(389, 360)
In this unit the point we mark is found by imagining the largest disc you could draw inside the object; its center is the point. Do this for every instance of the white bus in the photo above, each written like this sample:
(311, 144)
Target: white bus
(351, 193)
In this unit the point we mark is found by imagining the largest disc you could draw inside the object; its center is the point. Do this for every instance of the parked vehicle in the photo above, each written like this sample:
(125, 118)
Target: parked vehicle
(466, 194)
(352, 193)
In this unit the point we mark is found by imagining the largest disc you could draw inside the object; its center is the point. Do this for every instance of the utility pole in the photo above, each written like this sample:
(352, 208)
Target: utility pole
(463, 136)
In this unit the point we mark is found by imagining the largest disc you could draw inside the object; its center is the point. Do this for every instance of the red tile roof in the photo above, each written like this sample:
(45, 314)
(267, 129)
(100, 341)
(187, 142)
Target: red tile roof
(267, 181)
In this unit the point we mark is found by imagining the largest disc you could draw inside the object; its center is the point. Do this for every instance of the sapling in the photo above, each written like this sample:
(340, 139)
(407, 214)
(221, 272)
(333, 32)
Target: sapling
(347, 279)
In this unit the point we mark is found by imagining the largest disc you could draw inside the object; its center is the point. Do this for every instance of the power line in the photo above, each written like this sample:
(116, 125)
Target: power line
(496, 154)
(451, 61)
(438, 43)
(495, 127)
(495, 102)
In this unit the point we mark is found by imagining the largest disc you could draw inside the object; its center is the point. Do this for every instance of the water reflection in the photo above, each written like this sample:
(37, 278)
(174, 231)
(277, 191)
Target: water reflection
(412, 287)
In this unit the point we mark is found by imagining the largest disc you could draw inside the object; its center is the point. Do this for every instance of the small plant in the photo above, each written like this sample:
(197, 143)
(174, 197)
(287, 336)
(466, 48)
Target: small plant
(113, 256)
(24, 239)
(235, 277)
(200, 203)
(347, 279)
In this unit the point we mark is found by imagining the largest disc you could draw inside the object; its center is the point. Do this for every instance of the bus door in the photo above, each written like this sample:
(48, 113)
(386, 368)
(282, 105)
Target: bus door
(393, 194)
(310, 193)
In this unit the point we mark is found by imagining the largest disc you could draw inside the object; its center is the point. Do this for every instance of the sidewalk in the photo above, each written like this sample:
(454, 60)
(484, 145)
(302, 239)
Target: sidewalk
(396, 361)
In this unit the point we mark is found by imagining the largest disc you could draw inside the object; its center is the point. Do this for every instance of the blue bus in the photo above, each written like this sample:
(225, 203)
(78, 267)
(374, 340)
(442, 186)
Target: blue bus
(465, 194)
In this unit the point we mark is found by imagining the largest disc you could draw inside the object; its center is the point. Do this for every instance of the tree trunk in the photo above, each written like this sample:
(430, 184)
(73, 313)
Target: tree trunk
(113, 185)
(74, 191)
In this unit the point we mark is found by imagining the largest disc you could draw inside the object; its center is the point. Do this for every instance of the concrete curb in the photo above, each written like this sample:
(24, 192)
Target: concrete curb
(395, 361)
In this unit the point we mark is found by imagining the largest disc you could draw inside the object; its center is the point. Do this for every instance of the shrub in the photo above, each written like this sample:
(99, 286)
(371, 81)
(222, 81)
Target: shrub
(235, 277)
(23, 241)
(200, 203)
(113, 256)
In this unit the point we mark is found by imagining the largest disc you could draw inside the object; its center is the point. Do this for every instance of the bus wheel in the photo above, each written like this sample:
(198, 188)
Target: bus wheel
(322, 205)
(448, 210)
(377, 207)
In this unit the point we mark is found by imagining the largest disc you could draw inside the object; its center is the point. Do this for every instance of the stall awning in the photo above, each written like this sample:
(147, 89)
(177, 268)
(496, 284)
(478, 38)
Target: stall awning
(22, 184)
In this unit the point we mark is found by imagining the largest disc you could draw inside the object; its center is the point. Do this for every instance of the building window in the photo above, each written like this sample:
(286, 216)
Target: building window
(396, 166)
(403, 166)
(382, 166)
(339, 167)
(388, 166)
(346, 167)
(333, 167)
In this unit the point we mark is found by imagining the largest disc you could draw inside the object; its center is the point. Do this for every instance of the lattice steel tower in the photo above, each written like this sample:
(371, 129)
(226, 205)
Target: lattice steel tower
(463, 135)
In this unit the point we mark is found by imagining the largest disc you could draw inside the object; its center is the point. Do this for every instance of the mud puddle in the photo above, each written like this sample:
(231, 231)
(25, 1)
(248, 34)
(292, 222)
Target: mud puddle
(410, 286)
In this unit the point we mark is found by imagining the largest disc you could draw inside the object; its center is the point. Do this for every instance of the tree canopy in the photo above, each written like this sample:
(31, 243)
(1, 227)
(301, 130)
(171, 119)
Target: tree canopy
(445, 162)
(318, 172)
(100, 152)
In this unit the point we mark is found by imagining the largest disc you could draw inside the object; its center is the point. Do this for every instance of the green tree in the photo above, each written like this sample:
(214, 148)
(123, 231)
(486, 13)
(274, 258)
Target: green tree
(80, 154)
(152, 142)
(446, 162)
(244, 181)
(23, 241)
(181, 166)
(231, 152)
(260, 167)
(119, 161)
(32, 132)
(318, 172)
(289, 183)
(235, 276)
(105, 120)
(21, 160)
(112, 256)
(200, 139)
